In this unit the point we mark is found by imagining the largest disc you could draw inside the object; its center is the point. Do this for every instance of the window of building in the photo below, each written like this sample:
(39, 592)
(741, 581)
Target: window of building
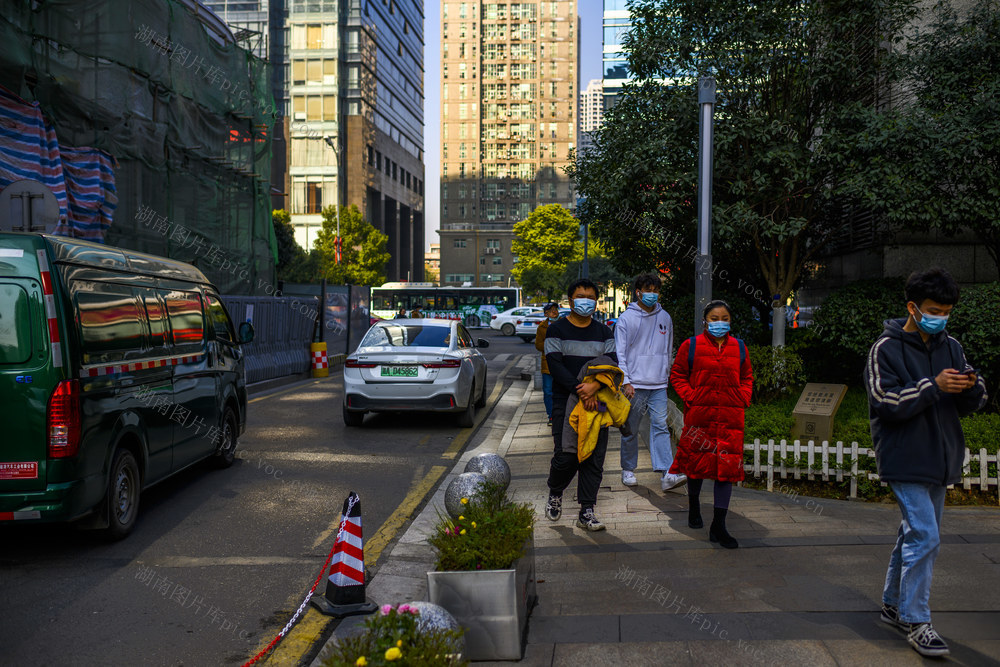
(497, 261)
(460, 243)
(314, 37)
(493, 243)
(482, 261)
(314, 107)
(314, 198)
(354, 108)
(378, 160)
(354, 76)
(352, 41)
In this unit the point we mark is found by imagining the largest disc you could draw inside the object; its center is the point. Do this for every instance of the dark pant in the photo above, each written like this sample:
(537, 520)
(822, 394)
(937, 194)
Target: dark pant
(723, 492)
(565, 464)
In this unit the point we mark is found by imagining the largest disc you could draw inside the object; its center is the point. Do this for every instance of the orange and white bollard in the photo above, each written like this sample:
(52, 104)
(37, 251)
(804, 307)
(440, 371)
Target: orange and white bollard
(321, 367)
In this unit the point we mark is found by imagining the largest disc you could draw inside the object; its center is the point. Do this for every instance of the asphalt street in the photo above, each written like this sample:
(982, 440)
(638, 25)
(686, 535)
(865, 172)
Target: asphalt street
(220, 559)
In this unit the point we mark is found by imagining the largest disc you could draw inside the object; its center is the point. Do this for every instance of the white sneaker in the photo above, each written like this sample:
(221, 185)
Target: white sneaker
(628, 478)
(669, 481)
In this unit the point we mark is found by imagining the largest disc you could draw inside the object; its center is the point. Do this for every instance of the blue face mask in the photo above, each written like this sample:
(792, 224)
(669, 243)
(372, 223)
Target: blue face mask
(931, 324)
(649, 299)
(718, 329)
(584, 307)
(553, 319)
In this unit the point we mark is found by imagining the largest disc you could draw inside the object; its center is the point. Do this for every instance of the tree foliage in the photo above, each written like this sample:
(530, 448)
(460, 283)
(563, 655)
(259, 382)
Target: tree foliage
(544, 243)
(364, 249)
(294, 263)
(783, 102)
(935, 155)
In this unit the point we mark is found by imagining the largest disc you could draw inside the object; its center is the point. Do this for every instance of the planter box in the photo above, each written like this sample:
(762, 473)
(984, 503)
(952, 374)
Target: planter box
(492, 605)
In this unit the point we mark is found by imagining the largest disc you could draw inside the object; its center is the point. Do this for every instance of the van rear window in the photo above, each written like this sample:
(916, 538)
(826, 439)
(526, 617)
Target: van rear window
(15, 324)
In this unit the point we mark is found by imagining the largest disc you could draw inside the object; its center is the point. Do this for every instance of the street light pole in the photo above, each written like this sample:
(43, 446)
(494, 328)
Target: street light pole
(332, 143)
(703, 264)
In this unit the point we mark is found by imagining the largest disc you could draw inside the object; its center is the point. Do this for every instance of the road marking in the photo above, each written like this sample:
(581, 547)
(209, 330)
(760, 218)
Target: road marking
(228, 561)
(320, 457)
(310, 629)
(285, 391)
(456, 445)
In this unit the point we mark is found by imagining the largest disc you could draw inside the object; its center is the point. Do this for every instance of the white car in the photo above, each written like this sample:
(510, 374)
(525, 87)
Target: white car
(525, 327)
(426, 365)
(506, 321)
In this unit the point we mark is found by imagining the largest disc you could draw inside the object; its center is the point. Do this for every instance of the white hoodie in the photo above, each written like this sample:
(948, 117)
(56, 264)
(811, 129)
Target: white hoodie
(644, 343)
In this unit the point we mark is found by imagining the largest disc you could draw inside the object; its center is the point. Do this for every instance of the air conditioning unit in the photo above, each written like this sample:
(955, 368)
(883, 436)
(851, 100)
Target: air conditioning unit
(492, 251)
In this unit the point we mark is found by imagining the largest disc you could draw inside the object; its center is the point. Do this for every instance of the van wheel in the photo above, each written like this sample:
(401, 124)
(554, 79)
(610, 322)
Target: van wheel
(226, 454)
(481, 401)
(467, 417)
(353, 417)
(122, 499)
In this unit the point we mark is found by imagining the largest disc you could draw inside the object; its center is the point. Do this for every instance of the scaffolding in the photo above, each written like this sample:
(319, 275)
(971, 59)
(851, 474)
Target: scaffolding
(184, 113)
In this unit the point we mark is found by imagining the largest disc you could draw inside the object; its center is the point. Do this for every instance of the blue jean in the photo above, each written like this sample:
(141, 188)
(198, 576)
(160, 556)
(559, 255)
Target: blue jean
(547, 393)
(655, 401)
(911, 566)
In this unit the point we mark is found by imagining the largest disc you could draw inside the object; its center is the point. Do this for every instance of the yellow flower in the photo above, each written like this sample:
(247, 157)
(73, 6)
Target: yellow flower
(462, 532)
(393, 654)
(399, 643)
(465, 501)
(461, 517)
(473, 524)
(361, 662)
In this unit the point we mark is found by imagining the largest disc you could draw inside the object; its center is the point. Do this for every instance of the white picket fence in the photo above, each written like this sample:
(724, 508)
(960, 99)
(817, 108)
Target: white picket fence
(826, 461)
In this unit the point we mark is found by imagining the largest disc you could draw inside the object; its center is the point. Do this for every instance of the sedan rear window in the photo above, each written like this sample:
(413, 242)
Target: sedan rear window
(407, 335)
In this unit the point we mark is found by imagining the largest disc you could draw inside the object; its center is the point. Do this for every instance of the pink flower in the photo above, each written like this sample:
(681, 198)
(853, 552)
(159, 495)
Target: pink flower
(403, 608)
(386, 608)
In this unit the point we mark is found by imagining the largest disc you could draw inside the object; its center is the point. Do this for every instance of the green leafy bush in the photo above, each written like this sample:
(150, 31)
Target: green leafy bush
(745, 321)
(490, 534)
(393, 637)
(975, 322)
(775, 371)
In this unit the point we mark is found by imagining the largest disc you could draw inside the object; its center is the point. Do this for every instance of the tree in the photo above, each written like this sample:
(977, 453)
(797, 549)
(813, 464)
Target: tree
(364, 253)
(936, 155)
(544, 243)
(778, 193)
(294, 263)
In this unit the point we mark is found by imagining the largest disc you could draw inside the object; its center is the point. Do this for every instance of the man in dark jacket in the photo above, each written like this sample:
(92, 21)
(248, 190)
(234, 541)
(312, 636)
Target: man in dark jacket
(918, 385)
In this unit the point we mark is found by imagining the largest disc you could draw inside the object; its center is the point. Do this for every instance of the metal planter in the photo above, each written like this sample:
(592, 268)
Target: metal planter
(492, 605)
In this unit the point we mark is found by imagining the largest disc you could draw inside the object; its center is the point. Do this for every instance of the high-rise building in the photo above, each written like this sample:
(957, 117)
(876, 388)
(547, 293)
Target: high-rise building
(591, 112)
(509, 86)
(617, 21)
(356, 120)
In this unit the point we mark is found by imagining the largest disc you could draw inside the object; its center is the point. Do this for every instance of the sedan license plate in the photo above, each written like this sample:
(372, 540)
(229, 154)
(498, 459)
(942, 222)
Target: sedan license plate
(399, 371)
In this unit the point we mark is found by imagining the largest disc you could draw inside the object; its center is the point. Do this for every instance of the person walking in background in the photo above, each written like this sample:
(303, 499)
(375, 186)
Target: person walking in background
(644, 341)
(401, 314)
(712, 375)
(919, 385)
(551, 312)
(570, 344)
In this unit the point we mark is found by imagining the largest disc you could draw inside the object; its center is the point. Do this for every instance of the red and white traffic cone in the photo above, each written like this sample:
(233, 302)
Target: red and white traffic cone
(345, 585)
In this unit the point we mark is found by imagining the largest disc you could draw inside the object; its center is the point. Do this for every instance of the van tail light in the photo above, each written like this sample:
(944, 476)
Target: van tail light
(354, 363)
(444, 363)
(63, 420)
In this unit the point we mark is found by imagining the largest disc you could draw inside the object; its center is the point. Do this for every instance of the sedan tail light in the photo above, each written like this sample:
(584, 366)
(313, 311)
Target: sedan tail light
(63, 419)
(494, 317)
(354, 363)
(444, 363)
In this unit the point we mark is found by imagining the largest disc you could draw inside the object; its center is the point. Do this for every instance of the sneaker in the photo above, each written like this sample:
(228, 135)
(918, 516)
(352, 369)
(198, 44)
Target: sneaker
(588, 521)
(669, 481)
(553, 508)
(926, 641)
(890, 616)
(628, 478)
(550, 421)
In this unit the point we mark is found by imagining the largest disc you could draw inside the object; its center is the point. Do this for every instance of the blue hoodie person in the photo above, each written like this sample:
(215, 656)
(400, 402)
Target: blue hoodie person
(919, 385)
(644, 340)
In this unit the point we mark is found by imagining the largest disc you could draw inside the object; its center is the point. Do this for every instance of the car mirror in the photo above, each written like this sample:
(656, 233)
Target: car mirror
(482, 342)
(246, 332)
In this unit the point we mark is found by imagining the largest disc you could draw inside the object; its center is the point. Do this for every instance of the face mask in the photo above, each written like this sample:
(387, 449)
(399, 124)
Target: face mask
(931, 324)
(584, 307)
(649, 299)
(718, 329)
(553, 319)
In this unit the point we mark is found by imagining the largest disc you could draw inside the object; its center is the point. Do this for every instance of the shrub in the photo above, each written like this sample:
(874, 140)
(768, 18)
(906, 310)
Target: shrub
(975, 322)
(745, 325)
(850, 319)
(775, 371)
(490, 535)
(394, 636)
(981, 431)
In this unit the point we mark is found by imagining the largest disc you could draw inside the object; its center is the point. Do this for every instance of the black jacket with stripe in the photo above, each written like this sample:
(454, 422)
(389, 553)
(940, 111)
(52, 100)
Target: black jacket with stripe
(915, 426)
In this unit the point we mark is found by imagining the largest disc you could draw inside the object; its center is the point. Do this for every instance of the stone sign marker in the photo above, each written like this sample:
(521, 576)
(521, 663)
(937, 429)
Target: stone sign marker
(815, 410)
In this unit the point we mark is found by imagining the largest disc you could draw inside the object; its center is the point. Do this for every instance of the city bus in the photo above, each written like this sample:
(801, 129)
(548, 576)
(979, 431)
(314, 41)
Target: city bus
(474, 306)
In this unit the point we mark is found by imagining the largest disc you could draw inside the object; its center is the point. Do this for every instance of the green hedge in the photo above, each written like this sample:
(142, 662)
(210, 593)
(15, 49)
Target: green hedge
(975, 323)
(775, 371)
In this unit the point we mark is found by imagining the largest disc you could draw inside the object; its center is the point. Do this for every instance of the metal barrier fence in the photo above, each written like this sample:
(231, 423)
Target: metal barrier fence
(284, 326)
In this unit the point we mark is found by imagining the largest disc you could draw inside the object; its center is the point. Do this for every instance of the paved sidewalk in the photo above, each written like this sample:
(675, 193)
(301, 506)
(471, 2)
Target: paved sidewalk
(803, 588)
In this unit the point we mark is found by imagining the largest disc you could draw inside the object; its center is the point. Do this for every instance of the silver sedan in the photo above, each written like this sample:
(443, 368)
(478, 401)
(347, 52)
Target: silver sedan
(423, 365)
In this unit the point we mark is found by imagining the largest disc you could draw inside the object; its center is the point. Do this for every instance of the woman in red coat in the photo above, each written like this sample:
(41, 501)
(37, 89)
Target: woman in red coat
(716, 389)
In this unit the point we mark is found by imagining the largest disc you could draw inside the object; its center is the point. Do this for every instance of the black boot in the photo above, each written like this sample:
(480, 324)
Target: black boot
(717, 531)
(694, 512)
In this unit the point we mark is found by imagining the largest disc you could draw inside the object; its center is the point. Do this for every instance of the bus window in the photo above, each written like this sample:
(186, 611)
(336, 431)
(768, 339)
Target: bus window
(382, 302)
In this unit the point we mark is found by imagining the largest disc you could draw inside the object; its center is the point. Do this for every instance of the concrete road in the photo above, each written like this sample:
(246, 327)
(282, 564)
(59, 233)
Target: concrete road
(220, 560)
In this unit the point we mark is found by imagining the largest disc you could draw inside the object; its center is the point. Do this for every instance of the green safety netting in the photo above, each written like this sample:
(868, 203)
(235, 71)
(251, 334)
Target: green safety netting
(186, 119)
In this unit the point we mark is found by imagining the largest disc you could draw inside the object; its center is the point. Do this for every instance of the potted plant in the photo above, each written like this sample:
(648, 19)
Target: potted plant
(485, 572)
(395, 636)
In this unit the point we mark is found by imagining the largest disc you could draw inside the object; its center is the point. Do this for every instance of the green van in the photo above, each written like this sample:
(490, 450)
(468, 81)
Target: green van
(117, 370)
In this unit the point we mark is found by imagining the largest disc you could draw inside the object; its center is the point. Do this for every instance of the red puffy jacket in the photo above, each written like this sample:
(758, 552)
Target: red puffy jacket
(715, 392)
